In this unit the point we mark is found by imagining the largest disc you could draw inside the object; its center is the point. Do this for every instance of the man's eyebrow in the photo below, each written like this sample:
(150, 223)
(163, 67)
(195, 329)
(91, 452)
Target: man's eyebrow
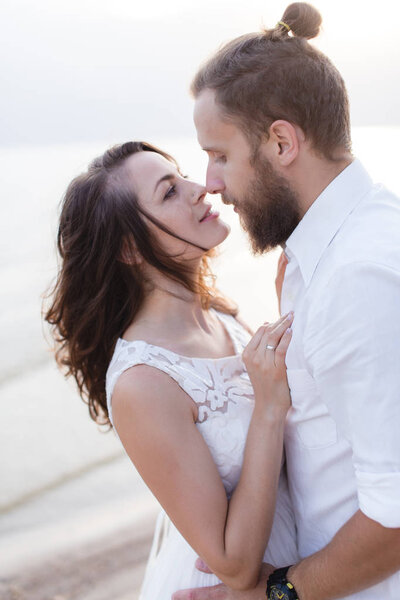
(167, 177)
(210, 149)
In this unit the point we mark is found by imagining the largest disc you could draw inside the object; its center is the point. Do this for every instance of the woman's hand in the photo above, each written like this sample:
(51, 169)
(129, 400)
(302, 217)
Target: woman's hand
(264, 358)
(176, 463)
(280, 275)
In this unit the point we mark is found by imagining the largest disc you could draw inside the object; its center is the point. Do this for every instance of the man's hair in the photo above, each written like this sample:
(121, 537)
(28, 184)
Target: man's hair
(274, 74)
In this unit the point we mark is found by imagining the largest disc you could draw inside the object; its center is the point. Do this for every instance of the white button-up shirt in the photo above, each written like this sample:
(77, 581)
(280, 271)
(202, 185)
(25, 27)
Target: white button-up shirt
(343, 430)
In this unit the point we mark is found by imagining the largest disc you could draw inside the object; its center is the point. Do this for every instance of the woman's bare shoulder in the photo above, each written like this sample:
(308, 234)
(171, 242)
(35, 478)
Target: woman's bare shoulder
(146, 388)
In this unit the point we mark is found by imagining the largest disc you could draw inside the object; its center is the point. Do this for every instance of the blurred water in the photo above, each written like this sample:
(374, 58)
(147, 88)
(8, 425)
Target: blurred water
(37, 408)
(32, 183)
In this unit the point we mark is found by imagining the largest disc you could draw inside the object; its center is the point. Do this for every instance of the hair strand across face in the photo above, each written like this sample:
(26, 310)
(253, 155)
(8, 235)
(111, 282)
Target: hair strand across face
(97, 294)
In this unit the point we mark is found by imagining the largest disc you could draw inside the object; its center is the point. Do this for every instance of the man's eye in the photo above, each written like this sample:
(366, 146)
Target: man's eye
(171, 192)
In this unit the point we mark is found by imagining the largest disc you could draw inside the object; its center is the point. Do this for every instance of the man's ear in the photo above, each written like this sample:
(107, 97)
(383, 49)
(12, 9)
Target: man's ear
(285, 139)
(129, 254)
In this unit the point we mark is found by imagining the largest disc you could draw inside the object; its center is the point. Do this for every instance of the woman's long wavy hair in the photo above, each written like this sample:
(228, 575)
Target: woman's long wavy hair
(96, 294)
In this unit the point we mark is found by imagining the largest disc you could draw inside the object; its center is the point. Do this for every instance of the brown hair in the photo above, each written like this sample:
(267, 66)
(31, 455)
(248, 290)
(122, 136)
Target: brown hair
(97, 295)
(274, 74)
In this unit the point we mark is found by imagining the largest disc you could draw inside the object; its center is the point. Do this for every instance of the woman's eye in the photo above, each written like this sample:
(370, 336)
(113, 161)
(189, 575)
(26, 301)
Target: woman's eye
(221, 158)
(171, 192)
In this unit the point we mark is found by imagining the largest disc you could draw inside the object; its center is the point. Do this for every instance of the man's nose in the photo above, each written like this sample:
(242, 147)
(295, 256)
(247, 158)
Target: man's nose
(214, 182)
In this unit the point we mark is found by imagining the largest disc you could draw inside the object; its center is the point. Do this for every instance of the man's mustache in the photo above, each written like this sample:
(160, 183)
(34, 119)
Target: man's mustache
(228, 201)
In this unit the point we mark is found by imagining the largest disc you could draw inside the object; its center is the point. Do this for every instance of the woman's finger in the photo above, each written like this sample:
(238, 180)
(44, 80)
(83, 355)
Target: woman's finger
(263, 355)
(202, 566)
(267, 335)
(255, 340)
(281, 319)
(281, 349)
(276, 331)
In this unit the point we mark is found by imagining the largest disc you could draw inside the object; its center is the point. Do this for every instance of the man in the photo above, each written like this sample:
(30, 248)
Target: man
(272, 113)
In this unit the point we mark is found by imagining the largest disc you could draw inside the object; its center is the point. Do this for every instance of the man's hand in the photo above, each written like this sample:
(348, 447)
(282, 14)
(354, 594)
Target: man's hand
(222, 592)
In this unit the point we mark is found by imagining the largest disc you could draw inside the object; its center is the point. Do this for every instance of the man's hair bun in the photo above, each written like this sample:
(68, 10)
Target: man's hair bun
(303, 20)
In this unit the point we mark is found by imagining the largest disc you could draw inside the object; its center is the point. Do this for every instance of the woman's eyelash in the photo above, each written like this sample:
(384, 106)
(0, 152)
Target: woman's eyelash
(171, 191)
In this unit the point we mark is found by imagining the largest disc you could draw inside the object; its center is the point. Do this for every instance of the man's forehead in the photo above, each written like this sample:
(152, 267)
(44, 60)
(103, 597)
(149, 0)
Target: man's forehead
(212, 129)
(205, 106)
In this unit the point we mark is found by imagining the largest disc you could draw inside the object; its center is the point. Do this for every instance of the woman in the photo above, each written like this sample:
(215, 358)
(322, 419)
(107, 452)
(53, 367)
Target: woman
(135, 310)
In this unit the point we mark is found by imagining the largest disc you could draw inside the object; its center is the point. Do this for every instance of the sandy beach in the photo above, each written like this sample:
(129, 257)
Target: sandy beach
(85, 539)
(111, 568)
(100, 572)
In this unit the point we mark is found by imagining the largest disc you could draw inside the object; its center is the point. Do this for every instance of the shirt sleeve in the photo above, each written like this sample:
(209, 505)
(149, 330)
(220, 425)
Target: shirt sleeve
(352, 346)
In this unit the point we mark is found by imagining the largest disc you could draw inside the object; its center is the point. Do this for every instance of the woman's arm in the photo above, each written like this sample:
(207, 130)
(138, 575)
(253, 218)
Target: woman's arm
(155, 421)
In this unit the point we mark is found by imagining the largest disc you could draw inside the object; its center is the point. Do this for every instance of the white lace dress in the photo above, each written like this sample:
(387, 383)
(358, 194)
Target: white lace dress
(223, 393)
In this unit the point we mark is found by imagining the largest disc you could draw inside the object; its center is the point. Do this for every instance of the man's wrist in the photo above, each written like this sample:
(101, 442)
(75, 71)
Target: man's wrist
(294, 576)
(279, 585)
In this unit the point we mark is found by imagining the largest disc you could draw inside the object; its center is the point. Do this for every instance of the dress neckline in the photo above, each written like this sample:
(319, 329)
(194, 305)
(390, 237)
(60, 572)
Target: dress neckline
(223, 318)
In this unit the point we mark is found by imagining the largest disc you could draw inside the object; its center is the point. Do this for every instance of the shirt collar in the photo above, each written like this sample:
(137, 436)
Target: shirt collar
(325, 217)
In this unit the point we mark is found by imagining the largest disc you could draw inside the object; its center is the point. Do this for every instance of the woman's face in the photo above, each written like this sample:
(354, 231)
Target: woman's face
(178, 203)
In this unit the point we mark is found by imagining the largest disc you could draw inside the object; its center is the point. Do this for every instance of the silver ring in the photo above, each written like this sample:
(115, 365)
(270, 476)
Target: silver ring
(268, 347)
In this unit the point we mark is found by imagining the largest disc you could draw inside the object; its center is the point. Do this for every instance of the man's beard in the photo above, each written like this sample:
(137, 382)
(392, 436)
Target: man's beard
(269, 210)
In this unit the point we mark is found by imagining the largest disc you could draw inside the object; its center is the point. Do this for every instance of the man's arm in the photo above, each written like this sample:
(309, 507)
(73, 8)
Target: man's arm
(352, 348)
(361, 554)
(353, 353)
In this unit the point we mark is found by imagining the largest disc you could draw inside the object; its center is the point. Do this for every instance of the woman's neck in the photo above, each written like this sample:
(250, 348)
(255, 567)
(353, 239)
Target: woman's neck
(170, 307)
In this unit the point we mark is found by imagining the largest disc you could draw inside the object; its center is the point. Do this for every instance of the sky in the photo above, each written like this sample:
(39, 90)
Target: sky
(87, 70)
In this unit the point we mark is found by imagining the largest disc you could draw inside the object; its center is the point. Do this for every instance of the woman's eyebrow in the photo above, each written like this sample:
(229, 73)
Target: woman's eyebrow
(167, 177)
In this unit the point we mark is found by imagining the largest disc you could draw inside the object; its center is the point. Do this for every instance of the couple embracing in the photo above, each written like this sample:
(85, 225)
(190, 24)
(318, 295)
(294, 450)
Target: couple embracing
(275, 455)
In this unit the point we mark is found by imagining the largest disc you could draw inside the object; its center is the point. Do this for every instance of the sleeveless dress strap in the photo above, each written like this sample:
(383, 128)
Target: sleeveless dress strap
(198, 377)
(131, 354)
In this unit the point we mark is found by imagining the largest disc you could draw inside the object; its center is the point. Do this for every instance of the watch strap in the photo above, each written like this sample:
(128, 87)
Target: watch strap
(278, 578)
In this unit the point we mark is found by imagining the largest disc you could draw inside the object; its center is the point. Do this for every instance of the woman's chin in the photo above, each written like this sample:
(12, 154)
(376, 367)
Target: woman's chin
(224, 231)
(214, 235)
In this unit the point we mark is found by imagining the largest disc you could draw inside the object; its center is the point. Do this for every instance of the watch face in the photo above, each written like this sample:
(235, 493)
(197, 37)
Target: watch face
(279, 592)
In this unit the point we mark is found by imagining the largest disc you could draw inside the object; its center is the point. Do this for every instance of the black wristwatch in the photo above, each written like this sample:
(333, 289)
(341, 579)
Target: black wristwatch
(279, 588)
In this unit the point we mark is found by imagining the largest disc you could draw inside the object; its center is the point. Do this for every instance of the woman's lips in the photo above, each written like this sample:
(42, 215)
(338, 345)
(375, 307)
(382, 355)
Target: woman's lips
(213, 215)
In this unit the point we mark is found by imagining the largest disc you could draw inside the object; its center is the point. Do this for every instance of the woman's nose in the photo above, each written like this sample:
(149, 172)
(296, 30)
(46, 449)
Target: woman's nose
(198, 193)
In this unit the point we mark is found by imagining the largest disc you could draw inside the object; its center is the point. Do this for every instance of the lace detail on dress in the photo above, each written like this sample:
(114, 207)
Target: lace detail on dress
(211, 383)
(220, 387)
(223, 393)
